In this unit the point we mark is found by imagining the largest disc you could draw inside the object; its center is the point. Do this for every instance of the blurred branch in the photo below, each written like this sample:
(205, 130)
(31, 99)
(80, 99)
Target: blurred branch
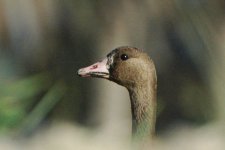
(18, 96)
(45, 105)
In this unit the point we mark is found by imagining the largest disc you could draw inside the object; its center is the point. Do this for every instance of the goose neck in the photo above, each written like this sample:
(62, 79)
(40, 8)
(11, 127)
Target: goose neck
(143, 105)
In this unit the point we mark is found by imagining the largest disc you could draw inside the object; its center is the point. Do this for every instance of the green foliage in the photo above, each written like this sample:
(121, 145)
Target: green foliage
(19, 96)
(44, 106)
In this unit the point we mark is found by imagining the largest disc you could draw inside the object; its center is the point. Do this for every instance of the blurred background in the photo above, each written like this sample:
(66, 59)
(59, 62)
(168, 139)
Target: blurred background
(44, 42)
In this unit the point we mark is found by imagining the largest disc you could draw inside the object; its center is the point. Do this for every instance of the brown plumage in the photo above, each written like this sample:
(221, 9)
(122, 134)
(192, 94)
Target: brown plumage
(133, 69)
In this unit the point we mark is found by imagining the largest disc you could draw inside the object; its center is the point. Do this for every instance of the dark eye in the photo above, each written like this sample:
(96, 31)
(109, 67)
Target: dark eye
(124, 56)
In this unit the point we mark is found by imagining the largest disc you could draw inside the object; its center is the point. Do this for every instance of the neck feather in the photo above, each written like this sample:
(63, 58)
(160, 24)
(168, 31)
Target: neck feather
(143, 105)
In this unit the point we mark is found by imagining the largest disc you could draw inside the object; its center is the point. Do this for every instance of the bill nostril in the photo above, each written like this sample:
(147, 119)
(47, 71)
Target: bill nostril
(94, 66)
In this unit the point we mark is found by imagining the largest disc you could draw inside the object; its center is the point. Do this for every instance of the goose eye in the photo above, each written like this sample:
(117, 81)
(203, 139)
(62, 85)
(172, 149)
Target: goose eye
(124, 56)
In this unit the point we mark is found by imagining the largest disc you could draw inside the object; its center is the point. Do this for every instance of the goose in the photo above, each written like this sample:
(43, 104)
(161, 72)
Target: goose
(134, 69)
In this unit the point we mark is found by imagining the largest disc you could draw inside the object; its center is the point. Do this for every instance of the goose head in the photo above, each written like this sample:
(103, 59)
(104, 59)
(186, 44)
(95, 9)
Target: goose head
(127, 66)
